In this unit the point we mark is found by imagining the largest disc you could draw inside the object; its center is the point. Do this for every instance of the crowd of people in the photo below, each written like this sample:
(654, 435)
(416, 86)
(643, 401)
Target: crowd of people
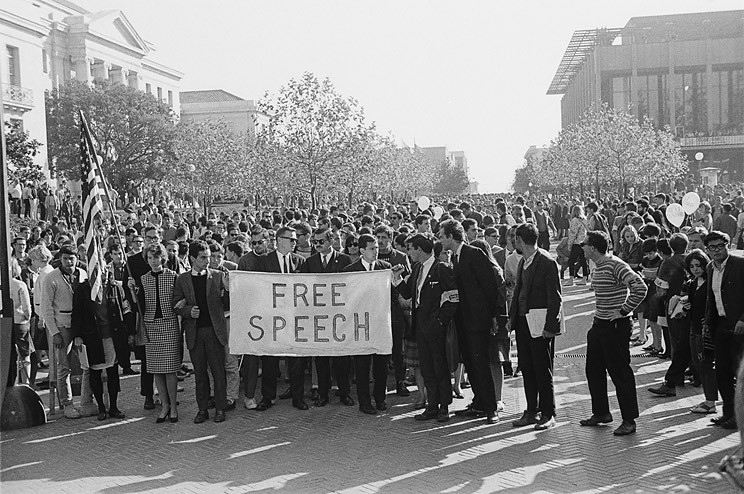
(463, 281)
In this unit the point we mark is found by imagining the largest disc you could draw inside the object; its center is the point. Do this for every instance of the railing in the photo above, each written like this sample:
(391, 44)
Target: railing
(16, 95)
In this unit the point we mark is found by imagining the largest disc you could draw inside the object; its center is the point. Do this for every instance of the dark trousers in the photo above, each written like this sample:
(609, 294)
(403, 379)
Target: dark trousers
(296, 370)
(112, 385)
(543, 240)
(146, 379)
(679, 331)
(577, 255)
(703, 360)
(208, 351)
(340, 372)
(536, 362)
(434, 369)
(399, 330)
(121, 346)
(608, 352)
(474, 353)
(728, 347)
(379, 375)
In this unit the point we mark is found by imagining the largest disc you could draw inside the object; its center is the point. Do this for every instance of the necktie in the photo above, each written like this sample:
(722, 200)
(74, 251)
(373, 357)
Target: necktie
(325, 261)
(370, 268)
(419, 275)
(455, 260)
(286, 265)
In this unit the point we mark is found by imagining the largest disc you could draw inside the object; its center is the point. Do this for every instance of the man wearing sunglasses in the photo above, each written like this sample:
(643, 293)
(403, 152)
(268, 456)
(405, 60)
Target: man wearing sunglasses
(283, 260)
(327, 260)
(725, 319)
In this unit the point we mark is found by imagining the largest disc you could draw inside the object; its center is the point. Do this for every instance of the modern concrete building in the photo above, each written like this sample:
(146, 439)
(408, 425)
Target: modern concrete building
(685, 71)
(240, 115)
(48, 42)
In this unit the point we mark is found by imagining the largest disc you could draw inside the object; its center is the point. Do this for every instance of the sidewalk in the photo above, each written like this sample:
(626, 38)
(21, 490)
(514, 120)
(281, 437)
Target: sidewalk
(338, 449)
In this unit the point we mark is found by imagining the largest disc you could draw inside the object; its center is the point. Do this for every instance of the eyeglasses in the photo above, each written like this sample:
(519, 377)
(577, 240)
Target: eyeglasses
(257, 242)
(320, 241)
(353, 244)
(717, 246)
(151, 237)
(291, 239)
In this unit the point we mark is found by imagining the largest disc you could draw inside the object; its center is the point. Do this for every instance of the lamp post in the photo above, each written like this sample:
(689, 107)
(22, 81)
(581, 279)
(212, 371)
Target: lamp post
(699, 158)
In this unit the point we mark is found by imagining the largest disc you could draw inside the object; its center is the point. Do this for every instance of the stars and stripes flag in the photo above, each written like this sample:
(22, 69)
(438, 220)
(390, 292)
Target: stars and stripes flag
(92, 211)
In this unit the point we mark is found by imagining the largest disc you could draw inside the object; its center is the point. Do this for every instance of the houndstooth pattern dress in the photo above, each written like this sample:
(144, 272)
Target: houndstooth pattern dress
(163, 347)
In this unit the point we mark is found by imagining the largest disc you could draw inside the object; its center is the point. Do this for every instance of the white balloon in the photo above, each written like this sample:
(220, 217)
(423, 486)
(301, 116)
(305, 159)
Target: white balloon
(423, 203)
(690, 202)
(438, 212)
(675, 214)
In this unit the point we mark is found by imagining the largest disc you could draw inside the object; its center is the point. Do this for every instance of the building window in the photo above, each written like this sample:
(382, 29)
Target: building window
(170, 99)
(621, 93)
(14, 66)
(727, 102)
(160, 94)
(690, 104)
(148, 88)
(653, 100)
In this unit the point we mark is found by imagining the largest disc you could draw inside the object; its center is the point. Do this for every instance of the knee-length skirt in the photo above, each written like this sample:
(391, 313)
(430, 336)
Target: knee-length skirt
(163, 347)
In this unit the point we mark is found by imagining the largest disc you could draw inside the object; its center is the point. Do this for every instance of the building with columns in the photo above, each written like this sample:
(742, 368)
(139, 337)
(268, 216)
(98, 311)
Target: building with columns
(217, 105)
(685, 71)
(48, 42)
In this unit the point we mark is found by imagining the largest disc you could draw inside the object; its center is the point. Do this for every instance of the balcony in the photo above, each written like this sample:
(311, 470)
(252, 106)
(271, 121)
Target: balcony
(17, 98)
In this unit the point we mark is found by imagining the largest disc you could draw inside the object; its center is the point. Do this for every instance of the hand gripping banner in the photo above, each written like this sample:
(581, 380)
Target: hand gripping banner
(302, 315)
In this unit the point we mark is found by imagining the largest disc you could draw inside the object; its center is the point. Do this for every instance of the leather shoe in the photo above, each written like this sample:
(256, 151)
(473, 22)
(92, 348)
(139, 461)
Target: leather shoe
(286, 394)
(321, 401)
(230, 406)
(401, 389)
(263, 405)
(219, 416)
(595, 420)
(381, 405)
(545, 423)
(527, 418)
(491, 418)
(730, 424)
(368, 409)
(149, 404)
(348, 401)
(625, 429)
(428, 414)
(664, 390)
(469, 412)
(314, 394)
(720, 420)
(300, 405)
(102, 415)
(116, 414)
(443, 415)
(201, 417)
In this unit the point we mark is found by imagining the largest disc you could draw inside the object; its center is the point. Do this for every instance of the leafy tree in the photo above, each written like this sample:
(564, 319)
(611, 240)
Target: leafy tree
(450, 179)
(20, 151)
(314, 131)
(134, 132)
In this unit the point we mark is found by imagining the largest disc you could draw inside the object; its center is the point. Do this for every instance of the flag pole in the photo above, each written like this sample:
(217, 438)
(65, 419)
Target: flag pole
(114, 217)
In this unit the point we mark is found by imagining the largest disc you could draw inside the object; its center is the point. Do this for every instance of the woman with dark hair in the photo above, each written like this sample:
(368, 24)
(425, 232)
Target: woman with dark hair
(498, 349)
(576, 235)
(163, 347)
(696, 293)
(351, 246)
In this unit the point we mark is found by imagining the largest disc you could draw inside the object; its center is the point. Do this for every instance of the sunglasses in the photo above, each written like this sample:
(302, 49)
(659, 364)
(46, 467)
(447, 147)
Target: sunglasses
(321, 241)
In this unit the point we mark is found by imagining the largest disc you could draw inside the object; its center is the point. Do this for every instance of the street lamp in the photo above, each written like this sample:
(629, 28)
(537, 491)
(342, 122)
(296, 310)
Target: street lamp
(699, 157)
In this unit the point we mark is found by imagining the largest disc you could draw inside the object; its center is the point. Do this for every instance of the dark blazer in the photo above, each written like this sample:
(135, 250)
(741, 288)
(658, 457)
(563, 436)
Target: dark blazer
(250, 262)
(476, 285)
(337, 263)
(218, 301)
(270, 263)
(732, 293)
(358, 266)
(431, 316)
(85, 324)
(543, 286)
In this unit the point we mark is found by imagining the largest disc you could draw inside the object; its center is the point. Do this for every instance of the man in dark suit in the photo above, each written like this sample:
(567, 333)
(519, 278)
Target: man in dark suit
(200, 297)
(433, 293)
(327, 260)
(283, 260)
(724, 318)
(252, 260)
(475, 317)
(368, 248)
(388, 254)
(538, 287)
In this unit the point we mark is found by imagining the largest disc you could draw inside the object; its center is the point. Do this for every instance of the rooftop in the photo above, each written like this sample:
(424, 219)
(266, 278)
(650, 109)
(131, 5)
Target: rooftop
(207, 96)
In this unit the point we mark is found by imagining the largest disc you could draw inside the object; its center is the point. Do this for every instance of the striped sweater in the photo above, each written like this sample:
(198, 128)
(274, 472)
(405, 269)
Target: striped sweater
(616, 286)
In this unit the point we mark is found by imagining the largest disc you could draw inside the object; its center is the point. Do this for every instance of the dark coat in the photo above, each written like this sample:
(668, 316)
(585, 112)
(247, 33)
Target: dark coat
(732, 293)
(270, 263)
(337, 263)
(478, 291)
(84, 323)
(218, 301)
(543, 287)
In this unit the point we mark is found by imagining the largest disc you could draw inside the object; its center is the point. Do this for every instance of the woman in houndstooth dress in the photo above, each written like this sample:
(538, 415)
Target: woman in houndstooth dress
(163, 347)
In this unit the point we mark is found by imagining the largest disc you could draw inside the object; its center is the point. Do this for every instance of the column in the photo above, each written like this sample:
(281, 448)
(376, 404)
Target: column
(101, 70)
(82, 69)
(708, 85)
(133, 79)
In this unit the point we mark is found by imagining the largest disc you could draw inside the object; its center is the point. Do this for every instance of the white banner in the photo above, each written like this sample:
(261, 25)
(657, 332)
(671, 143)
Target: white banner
(301, 315)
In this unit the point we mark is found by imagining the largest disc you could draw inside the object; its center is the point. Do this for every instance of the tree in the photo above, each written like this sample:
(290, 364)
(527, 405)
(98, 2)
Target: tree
(20, 151)
(450, 179)
(210, 160)
(313, 130)
(134, 131)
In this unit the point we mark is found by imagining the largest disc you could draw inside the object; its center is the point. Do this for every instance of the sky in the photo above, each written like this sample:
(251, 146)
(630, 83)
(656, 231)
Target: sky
(468, 75)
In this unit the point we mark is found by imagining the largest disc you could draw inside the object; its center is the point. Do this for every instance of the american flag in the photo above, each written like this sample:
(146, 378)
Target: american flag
(92, 211)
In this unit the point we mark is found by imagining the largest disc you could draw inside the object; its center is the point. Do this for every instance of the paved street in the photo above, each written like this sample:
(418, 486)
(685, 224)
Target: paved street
(337, 449)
